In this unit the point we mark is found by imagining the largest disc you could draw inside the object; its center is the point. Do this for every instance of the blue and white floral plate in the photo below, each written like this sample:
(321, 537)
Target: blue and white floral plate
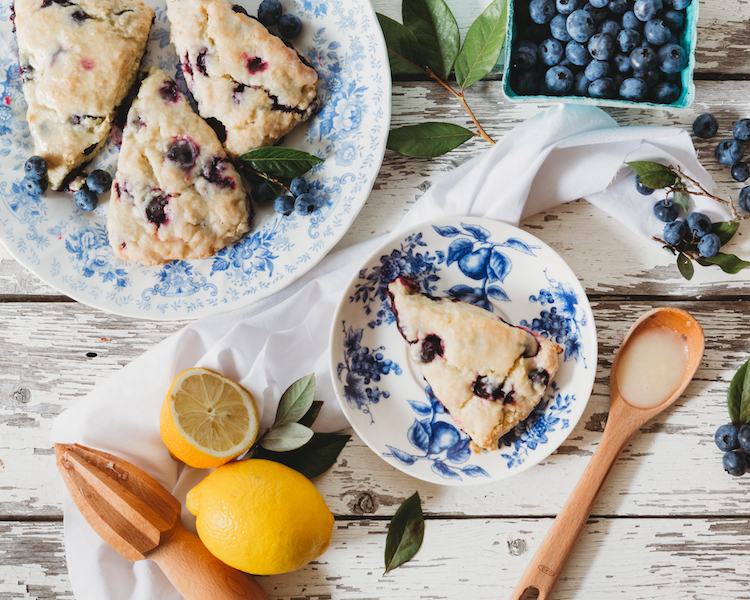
(68, 249)
(491, 264)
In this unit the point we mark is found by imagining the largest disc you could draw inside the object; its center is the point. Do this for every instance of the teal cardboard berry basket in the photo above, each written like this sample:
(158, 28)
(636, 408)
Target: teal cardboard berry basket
(688, 38)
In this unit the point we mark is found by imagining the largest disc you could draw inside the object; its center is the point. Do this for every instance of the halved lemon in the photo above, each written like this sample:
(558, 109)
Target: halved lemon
(207, 419)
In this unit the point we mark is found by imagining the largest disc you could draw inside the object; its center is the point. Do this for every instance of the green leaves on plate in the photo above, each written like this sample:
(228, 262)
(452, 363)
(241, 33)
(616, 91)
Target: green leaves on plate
(738, 396)
(427, 140)
(482, 46)
(405, 533)
(276, 161)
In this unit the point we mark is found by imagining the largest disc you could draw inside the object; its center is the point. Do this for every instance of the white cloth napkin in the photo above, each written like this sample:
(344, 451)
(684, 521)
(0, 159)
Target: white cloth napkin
(564, 153)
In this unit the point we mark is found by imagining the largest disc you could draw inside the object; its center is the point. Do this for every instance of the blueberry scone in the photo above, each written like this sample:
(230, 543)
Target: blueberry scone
(176, 194)
(249, 85)
(78, 61)
(489, 375)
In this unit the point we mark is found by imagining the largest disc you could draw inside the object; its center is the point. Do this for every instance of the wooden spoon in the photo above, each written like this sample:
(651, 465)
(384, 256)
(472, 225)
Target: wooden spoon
(624, 420)
(140, 519)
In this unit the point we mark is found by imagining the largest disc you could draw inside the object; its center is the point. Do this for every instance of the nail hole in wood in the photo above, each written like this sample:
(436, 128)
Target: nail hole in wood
(91, 354)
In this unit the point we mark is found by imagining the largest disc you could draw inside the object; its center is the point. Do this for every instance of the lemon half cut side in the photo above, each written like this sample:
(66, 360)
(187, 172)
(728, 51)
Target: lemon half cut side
(207, 419)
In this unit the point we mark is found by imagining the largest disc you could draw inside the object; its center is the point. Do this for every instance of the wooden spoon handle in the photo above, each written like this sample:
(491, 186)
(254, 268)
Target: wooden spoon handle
(545, 568)
(199, 575)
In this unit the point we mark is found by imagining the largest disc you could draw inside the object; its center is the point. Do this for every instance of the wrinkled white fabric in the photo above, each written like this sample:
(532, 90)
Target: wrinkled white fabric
(562, 154)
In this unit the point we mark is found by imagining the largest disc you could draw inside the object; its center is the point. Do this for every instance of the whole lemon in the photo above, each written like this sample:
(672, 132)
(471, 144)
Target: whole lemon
(261, 517)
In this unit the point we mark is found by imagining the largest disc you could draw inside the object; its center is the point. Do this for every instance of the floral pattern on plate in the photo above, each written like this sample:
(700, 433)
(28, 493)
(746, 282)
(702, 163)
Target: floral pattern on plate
(490, 264)
(69, 250)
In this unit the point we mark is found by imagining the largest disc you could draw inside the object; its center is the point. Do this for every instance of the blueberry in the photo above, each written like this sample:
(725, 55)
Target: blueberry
(603, 88)
(305, 204)
(432, 346)
(656, 32)
(680, 4)
(643, 59)
(551, 52)
(628, 40)
(183, 152)
(744, 438)
(581, 85)
(598, 3)
(646, 10)
(630, 21)
(650, 77)
(729, 152)
(284, 205)
(35, 187)
(726, 437)
(674, 232)
(99, 181)
(565, 7)
(745, 199)
(672, 58)
(665, 92)
(697, 225)
(526, 83)
(262, 193)
(290, 26)
(298, 186)
(619, 7)
(269, 12)
(577, 53)
(35, 168)
(734, 463)
(673, 19)
(86, 199)
(598, 14)
(580, 25)
(559, 29)
(601, 46)
(611, 28)
(156, 211)
(740, 171)
(709, 245)
(559, 80)
(525, 53)
(642, 189)
(666, 210)
(622, 63)
(596, 69)
(542, 11)
(634, 89)
(741, 130)
(705, 126)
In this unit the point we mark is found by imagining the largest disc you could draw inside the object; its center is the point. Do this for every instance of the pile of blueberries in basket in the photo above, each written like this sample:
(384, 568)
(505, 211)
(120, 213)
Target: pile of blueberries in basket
(735, 443)
(627, 49)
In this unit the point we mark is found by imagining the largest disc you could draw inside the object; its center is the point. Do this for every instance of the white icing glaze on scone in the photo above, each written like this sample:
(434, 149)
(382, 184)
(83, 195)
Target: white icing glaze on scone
(489, 375)
(176, 194)
(247, 82)
(78, 61)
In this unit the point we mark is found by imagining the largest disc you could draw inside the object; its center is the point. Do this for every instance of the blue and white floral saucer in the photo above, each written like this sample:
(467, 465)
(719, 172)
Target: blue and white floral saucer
(491, 264)
(68, 249)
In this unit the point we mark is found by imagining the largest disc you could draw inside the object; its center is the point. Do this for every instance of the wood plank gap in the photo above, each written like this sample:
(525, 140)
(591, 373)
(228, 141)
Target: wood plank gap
(31, 518)
(8, 298)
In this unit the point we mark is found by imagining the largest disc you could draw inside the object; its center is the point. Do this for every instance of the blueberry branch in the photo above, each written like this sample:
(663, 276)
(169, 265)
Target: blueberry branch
(701, 192)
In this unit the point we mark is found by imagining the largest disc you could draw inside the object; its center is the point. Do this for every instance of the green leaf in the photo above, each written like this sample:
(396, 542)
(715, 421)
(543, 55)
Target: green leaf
(404, 53)
(296, 401)
(724, 230)
(728, 263)
(276, 161)
(644, 167)
(682, 200)
(289, 436)
(315, 457)
(738, 395)
(309, 418)
(405, 533)
(657, 181)
(436, 30)
(482, 46)
(427, 140)
(685, 266)
(670, 249)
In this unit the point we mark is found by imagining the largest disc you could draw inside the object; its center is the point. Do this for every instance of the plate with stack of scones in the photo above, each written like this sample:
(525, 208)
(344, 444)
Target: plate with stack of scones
(463, 351)
(166, 96)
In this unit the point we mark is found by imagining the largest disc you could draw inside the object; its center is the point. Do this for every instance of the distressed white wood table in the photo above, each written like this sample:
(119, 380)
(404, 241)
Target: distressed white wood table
(669, 522)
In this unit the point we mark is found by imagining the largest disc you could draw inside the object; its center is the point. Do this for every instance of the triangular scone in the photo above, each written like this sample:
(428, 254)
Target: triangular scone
(176, 194)
(489, 375)
(78, 61)
(247, 82)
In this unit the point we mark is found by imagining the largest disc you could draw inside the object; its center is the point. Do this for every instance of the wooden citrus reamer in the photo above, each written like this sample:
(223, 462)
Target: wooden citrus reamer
(140, 519)
(623, 421)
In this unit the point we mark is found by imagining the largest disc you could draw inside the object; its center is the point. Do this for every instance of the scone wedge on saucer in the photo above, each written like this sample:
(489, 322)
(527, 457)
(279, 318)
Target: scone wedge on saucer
(489, 375)
(249, 85)
(176, 195)
(78, 61)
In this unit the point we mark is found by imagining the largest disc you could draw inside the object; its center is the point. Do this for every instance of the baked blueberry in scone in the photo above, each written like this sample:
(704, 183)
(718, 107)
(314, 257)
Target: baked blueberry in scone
(249, 85)
(488, 374)
(176, 194)
(78, 60)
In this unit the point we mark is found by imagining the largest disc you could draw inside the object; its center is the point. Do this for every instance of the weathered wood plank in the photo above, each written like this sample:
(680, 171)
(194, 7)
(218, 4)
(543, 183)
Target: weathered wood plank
(632, 559)
(671, 467)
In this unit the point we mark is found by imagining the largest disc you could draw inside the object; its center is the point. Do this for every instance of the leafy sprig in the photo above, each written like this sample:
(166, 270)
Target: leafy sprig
(681, 187)
(738, 396)
(429, 42)
(276, 165)
(290, 440)
(405, 533)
